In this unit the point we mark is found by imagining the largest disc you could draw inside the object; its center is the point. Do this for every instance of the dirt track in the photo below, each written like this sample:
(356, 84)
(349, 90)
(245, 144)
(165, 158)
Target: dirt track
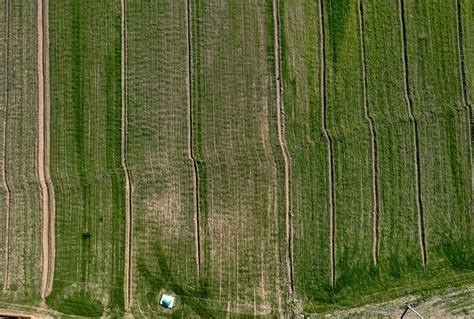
(128, 183)
(462, 66)
(330, 160)
(44, 179)
(190, 140)
(284, 149)
(408, 98)
(373, 134)
(6, 185)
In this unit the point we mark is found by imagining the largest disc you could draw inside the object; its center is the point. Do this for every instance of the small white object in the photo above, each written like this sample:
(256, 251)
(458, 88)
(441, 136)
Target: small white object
(167, 301)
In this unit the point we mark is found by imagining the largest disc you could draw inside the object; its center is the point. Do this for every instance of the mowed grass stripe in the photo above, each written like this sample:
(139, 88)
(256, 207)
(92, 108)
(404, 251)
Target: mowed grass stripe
(330, 150)
(190, 136)
(466, 9)
(44, 179)
(164, 238)
(24, 242)
(308, 148)
(124, 159)
(462, 66)
(284, 149)
(409, 101)
(433, 60)
(373, 135)
(234, 101)
(86, 114)
(5, 182)
(351, 140)
(399, 242)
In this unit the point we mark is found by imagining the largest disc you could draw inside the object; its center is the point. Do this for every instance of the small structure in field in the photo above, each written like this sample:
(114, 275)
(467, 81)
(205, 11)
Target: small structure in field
(167, 301)
(413, 310)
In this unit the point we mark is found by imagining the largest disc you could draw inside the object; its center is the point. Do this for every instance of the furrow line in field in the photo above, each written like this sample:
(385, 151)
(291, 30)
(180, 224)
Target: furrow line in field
(283, 146)
(6, 184)
(192, 158)
(124, 154)
(330, 159)
(462, 66)
(373, 133)
(46, 186)
(409, 101)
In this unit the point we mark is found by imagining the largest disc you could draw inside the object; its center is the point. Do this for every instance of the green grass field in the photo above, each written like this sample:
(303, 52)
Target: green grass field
(163, 242)
(355, 114)
(20, 235)
(85, 51)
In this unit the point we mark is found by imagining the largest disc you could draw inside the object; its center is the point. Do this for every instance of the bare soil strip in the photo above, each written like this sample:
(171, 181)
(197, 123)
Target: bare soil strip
(197, 227)
(284, 149)
(409, 100)
(6, 185)
(44, 179)
(465, 95)
(330, 159)
(128, 183)
(373, 133)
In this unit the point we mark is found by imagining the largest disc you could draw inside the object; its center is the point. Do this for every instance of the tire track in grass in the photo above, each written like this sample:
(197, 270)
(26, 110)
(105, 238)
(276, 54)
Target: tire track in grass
(373, 133)
(192, 158)
(284, 149)
(409, 101)
(46, 186)
(128, 183)
(6, 184)
(462, 66)
(327, 136)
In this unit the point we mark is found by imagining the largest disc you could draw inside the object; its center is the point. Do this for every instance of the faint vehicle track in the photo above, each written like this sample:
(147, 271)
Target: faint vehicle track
(191, 156)
(6, 184)
(128, 183)
(44, 179)
(284, 149)
(465, 96)
(373, 134)
(409, 101)
(330, 159)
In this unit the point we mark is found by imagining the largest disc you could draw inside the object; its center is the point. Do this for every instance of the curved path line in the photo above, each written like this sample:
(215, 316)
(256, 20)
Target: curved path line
(6, 185)
(330, 159)
(128, 183)
(409, 101)
(284, 149)
(46, 187)
(192, 158)
(373, 134)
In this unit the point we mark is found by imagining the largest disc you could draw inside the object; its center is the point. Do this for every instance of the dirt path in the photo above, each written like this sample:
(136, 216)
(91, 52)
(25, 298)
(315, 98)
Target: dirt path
(409, 101)
(284, 149)
(128, 183)
(330, 159)
(6, 185)
(373, 134)
(191, 157)
(44, 179)
(21, 315)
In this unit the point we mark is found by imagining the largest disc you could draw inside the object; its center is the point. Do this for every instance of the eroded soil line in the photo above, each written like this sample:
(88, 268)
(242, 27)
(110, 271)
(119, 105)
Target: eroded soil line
(128, 183)
(284, 149)
(409, 101)
(6, 184)
(46, 187)
(373, 134)
(192, 158)
(330, 159)
(462, 66)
